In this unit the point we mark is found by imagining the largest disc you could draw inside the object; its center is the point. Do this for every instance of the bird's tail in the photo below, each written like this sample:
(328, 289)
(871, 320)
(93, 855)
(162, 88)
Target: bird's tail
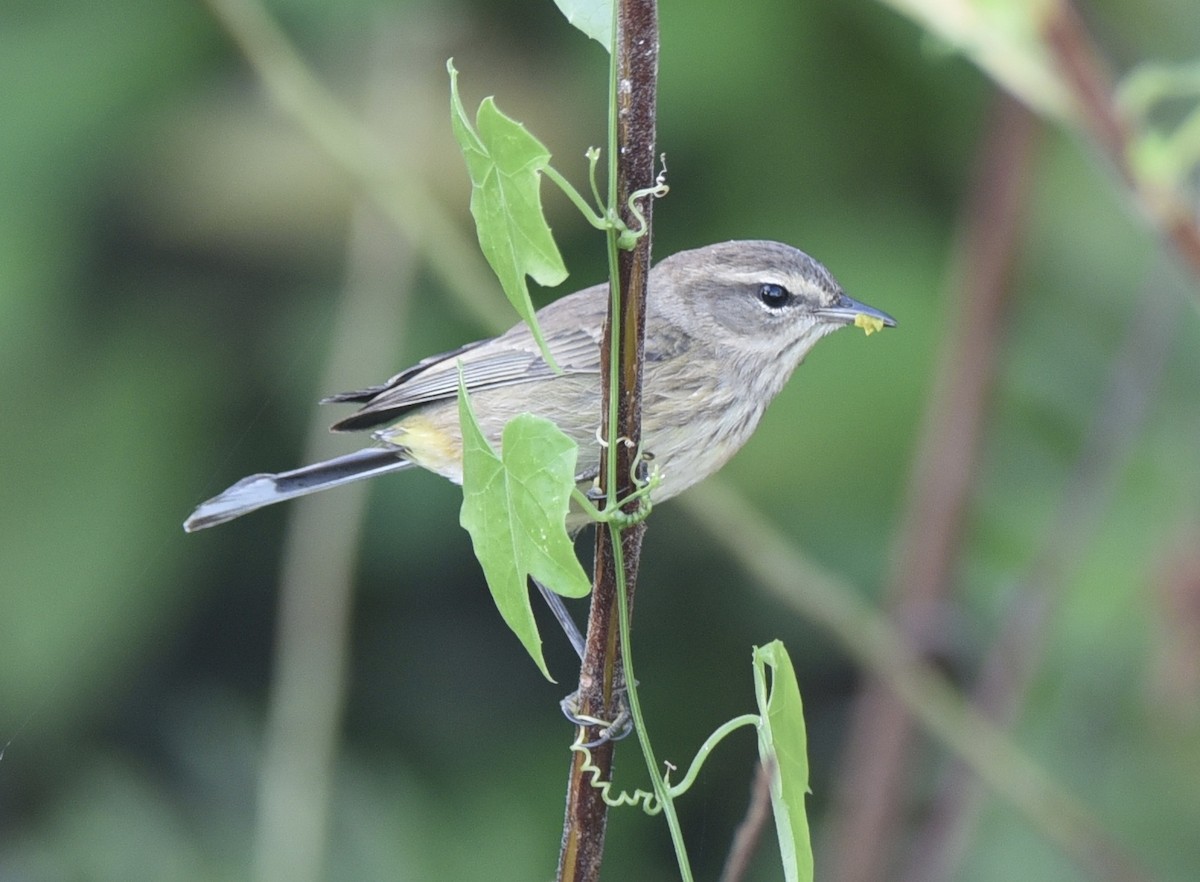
(256, 491)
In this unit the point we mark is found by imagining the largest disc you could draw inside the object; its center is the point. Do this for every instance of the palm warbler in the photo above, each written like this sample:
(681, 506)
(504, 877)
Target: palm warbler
(725, 327)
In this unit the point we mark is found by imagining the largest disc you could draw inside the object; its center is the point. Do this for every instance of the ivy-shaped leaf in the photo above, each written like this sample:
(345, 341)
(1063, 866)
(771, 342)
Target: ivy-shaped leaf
(505, 163)
(515, 508)
(593, 17)
(781, 736)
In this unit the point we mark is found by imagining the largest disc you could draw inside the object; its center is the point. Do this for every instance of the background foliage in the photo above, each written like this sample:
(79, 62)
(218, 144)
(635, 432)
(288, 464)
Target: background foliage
(172, 252)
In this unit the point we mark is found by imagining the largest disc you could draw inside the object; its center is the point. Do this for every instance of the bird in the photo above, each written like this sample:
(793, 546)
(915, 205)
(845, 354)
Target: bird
(726, 326)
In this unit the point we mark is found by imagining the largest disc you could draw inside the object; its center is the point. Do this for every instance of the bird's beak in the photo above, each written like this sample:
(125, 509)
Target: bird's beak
(847, 309)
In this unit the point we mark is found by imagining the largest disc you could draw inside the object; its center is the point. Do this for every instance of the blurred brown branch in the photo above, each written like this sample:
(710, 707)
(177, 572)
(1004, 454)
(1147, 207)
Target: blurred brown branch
(1009, 666)
(1042, 53)
(1175, 679)
(872, 785)
(749, 832)
(1085, 72)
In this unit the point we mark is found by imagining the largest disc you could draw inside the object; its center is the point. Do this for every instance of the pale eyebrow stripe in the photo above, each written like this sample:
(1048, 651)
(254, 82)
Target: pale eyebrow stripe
(759, 277)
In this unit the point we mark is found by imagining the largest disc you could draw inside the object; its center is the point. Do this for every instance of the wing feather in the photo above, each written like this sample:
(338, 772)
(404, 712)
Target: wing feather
(571, 326)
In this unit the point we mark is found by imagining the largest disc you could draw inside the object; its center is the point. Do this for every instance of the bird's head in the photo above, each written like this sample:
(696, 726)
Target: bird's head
(756, 298)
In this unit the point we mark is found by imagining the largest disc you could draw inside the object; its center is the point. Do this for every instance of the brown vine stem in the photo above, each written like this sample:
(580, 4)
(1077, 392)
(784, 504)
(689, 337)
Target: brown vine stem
(599, 675)
(1008, 669)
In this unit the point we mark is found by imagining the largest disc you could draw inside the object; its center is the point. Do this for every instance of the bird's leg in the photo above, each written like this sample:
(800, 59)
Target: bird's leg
(563, 616)
(613, 730)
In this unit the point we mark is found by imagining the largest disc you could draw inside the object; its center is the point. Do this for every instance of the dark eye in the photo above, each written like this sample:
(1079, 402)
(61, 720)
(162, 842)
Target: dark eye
(774, 296)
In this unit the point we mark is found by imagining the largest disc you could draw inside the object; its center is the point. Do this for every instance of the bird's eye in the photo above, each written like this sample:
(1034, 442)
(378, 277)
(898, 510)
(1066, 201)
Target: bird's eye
(774, 296)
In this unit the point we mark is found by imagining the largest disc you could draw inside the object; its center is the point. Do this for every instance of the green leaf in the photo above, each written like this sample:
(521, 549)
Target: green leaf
(593, 17)
(505, 164)
(781, 737)
(515, 508)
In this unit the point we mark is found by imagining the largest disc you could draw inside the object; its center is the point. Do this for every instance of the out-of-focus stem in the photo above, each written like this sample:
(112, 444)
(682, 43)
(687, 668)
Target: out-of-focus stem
(872, 788)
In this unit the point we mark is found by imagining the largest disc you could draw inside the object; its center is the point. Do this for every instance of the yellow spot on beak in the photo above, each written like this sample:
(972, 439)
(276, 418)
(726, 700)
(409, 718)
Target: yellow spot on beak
(869, 323)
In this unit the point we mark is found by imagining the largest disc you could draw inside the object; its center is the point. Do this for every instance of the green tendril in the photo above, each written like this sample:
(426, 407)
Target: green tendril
(593, 158)
(650, 803)
(628, 238)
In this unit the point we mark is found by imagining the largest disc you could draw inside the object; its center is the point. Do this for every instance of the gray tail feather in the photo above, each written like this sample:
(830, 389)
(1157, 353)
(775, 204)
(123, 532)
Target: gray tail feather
(256, 491)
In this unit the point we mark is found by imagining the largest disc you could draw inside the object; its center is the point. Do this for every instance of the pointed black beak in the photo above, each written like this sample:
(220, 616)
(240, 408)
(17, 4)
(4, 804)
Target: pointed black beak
(847, 309)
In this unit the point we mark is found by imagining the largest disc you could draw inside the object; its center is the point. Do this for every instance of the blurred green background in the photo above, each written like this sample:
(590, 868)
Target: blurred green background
(173, 256)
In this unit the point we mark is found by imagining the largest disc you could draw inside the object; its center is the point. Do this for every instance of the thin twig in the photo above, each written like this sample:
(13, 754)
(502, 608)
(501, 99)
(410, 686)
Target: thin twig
(749, 832)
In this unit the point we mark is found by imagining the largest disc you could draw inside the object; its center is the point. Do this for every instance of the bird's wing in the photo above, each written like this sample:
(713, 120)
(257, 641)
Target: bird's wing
(570, 325)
